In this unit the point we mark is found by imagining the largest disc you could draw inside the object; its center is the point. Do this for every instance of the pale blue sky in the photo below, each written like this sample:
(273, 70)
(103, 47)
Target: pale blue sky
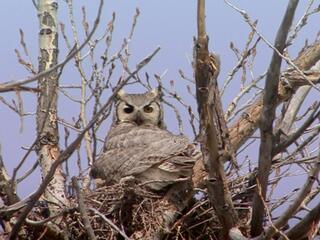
(170, 24)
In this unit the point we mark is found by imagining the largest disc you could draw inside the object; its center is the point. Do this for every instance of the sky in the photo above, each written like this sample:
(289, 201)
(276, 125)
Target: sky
(166, 23)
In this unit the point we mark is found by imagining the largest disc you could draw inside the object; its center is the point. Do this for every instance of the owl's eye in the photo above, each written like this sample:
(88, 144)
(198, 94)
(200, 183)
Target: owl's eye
(128, 109)
(148, 109)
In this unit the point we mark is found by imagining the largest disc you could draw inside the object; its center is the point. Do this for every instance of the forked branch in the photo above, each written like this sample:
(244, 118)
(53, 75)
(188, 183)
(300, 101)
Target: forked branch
(266, 120)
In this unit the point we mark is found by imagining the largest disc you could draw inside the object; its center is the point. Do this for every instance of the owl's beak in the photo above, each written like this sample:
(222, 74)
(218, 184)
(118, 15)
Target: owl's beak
(139, 118)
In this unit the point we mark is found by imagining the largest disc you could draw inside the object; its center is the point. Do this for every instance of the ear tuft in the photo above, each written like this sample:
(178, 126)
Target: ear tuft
(154, 92)
(121, 93)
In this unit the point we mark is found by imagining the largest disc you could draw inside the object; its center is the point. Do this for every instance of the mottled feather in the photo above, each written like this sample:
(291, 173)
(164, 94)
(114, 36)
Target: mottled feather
(139, 146)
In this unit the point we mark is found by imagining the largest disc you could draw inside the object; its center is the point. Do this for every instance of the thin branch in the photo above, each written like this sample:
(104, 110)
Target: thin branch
(71, 148)
(7, 193)
(15, 85)
(115, 227)
(28, 172)
(296, 204)
(294, 136)
(49, 219)
(247, 124)
(273, 47)
(83, 79)
(302, 22)
(83, 210)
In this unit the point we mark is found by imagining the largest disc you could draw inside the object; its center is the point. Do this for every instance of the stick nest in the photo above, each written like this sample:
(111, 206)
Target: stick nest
(137, 213)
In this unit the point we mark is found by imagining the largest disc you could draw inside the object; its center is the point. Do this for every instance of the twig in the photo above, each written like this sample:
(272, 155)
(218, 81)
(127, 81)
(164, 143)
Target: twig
(83, 211)
(294, 136)
(115, 227)
(83, 80)
(7, 194)
(275, 49)
(27, 173)
(294, 206)
(49, 219)
(268, 213)
(13, 85)
(35, 4)
(232, 106)
(302, 22)
(71, 148)
(24, 46)
(245, 54)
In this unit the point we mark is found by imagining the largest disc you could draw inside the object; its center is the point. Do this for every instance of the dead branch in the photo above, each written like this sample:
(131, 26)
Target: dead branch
(267, 118)
(211, 126)
(83, 210)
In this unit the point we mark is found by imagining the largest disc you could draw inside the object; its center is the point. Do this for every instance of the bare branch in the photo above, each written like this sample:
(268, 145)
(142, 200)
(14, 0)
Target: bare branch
(274, 48)
(212, 126)
(296, 204)
(15, 85)
(246, 125)
(7, 193)
(267, 118)
(294, 136)
(83, 210)
(71, 148)
(302, 229)
(115, 227)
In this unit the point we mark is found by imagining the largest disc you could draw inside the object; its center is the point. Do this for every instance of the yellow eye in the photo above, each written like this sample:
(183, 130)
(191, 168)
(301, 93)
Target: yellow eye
(148, 109)
(128, 109)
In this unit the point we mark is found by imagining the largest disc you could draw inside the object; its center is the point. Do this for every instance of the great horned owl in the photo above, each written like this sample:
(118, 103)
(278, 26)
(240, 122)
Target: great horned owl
(138, 145)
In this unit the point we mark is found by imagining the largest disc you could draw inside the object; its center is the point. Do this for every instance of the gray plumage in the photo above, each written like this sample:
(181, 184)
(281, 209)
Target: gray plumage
(138, 146)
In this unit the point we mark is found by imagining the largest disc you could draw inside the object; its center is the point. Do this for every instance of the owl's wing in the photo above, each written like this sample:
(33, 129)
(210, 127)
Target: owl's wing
(133, 150)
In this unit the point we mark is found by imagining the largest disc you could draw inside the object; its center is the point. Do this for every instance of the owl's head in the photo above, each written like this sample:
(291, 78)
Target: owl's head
(141, 109)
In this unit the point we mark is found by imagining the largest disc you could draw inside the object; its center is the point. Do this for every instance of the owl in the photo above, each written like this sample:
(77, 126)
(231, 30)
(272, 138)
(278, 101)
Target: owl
(139, 146)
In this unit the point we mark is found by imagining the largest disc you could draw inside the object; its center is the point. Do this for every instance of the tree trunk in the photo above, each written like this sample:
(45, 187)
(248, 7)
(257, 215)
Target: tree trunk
(47, 127)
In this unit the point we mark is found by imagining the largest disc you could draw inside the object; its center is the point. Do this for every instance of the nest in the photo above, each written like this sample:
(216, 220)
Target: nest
(131, 209)
(117, 211)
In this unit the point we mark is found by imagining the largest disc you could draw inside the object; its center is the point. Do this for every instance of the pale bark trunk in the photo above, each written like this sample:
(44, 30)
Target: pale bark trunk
(47, 127)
